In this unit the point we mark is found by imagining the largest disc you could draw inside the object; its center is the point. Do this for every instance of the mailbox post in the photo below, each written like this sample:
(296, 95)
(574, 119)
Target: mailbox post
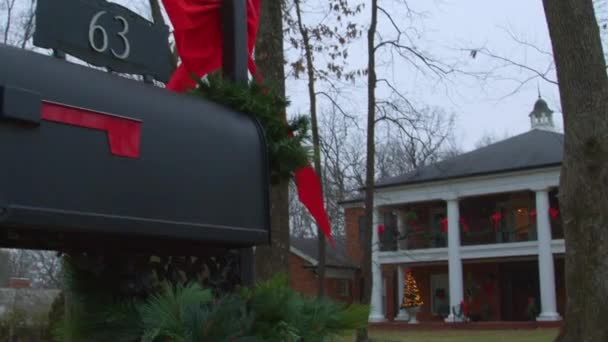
(234, 60)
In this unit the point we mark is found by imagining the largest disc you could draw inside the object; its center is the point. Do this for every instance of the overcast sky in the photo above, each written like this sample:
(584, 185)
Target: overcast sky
(447, 27)
(477, 23)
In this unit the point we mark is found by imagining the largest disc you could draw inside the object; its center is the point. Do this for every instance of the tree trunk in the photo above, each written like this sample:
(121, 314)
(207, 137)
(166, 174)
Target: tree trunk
(583, 86)
(315, 138)
(366, 267)
(273, 259)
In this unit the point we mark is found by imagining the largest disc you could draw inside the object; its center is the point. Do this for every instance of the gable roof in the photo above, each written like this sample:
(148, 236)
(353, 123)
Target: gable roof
(307, 249)
(530, 150)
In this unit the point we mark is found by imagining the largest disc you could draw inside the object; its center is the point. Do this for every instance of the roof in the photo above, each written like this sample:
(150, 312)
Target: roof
(540, 108)
(530, 150)
(334, 256)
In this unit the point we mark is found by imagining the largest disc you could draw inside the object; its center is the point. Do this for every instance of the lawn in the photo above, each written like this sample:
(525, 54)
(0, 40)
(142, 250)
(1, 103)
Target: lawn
(539, 335)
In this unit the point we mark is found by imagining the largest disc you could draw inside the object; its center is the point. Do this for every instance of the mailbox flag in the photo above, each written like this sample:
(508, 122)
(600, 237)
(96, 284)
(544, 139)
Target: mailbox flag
(198, 21)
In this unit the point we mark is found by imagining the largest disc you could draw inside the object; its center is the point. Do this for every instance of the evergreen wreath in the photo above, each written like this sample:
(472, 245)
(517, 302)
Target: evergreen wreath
(285, 140)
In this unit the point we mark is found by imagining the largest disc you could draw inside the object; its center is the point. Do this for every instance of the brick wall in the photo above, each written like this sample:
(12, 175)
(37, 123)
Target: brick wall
(422, 275)
(301, 279)
(305, 281)
(481, 280)
(353, 247)
(19, 283)
(483, 285)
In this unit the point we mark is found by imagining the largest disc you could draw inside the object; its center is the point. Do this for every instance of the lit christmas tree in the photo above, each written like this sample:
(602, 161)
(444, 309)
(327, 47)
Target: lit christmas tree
(411, 294)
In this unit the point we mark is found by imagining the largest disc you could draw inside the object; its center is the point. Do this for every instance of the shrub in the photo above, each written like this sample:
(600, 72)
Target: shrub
(269, 312)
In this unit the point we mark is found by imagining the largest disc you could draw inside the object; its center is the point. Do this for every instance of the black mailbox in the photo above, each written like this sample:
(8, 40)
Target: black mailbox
(90, 159)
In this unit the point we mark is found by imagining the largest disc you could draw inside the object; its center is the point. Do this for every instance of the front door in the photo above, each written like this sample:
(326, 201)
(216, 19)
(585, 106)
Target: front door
(519, 286)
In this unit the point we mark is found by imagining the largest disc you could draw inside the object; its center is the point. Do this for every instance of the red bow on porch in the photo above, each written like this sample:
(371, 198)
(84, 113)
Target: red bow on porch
(465, 308)
(496, 218)
(465, 227)
(554, 213)
(413, 224)
(380, 229)
(198, 38)
(444, 225)
(533, 214)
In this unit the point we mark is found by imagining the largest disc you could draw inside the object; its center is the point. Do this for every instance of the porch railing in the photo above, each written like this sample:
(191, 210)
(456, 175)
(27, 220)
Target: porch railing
(427, 238)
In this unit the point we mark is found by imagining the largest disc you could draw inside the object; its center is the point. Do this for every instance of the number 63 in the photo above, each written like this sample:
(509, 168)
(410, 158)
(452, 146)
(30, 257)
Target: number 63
(93, 27)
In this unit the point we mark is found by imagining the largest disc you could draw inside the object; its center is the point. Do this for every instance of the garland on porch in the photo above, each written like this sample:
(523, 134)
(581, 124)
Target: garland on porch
(495, 219)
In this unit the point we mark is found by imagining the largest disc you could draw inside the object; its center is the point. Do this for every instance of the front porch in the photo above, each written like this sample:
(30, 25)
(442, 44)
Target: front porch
(505, 289)
(468, 245)
(482, 220)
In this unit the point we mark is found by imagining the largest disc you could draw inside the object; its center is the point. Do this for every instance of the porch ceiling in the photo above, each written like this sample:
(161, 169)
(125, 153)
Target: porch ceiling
(468, 187)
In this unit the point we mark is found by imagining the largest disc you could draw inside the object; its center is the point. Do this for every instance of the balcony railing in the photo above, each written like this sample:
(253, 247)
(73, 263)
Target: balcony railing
(427, 238)
(498, 235)
(423, 238)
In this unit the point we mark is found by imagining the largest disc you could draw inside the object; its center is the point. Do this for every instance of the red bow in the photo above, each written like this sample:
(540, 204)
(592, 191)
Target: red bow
(465, 308)
(496, 218)
(553, 212)
(380, 229)
(465, 227)
(444, 225)
(198, 37)
(533, 214)
(413, 224)
(488, 288)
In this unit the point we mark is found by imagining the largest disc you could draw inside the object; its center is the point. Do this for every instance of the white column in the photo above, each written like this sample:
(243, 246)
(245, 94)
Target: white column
(402, 315)
(545, 259)
(376, 311)
(400, 229)
(454, 261)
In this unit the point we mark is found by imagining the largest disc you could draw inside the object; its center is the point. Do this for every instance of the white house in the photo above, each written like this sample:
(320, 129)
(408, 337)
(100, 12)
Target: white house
(482, 228)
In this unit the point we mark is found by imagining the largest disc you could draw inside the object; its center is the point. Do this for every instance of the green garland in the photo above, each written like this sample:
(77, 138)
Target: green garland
(286, 153)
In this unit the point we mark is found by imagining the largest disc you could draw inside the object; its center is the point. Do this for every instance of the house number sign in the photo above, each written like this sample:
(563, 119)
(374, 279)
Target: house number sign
(95, 27)
(104, 34)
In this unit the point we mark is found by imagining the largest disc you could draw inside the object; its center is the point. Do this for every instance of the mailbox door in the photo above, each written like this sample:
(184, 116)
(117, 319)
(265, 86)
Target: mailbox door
(201, 172)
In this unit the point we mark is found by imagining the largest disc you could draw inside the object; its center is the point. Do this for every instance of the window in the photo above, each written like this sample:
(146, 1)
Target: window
(522, 224)
(344, 287)
(388, 238)
(440, 295)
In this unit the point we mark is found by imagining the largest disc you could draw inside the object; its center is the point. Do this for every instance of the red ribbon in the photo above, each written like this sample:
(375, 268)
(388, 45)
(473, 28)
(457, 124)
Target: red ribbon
(465, 227)
(380, 229)
(533, 214)
(465, 308)
(553, 212)
(488, 288)
(444, 225)
(197, 29)
(414, 225)
(198, 37)
(496, 218)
